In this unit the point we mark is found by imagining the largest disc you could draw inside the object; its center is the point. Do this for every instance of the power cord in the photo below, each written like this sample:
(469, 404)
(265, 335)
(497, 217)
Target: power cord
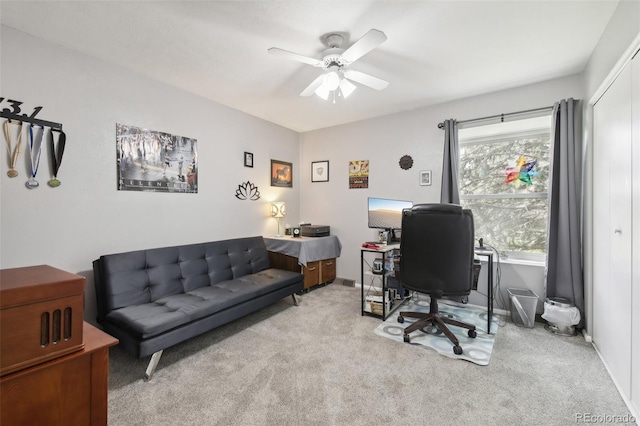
(497, 294)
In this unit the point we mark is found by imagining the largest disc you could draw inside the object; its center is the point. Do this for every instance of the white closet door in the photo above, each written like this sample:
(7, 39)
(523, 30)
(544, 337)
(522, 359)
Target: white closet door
(612, 229)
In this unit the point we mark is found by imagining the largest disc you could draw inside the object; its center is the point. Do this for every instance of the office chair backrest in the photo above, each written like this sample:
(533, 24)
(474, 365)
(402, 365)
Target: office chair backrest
(436, 249)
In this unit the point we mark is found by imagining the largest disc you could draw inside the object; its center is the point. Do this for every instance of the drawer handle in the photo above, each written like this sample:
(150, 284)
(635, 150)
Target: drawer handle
(312, 269)
(329, 263)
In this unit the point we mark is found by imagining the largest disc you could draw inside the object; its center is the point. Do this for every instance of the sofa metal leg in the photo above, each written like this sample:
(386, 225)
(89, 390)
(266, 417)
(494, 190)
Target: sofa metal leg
(151, 368)
(295, 299)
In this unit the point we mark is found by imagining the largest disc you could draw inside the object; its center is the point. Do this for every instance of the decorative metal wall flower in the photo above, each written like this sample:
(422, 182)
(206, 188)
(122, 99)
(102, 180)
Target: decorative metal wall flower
(406, 162)
(247, 190)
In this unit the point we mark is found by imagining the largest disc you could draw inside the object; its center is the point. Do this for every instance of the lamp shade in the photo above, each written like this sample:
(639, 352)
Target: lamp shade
(278, 209)
(346, 87)
(331, 81)
(322, 92)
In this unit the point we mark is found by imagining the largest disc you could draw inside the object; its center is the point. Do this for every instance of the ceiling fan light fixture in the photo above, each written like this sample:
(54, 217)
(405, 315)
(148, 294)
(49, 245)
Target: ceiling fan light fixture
(335, 62)
(331, 81)
(346, 88)
(323, 92)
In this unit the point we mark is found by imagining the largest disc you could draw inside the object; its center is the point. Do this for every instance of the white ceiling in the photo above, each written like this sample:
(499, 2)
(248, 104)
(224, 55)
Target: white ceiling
(436, 51)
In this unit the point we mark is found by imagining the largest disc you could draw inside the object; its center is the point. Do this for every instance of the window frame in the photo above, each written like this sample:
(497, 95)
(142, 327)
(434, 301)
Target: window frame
(484, 134)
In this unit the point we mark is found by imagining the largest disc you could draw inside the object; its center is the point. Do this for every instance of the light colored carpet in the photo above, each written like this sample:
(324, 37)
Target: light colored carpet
(476, 350)
(320, 363)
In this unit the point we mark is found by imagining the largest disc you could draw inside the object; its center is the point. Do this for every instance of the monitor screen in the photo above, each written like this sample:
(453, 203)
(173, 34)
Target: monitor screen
(386, 214)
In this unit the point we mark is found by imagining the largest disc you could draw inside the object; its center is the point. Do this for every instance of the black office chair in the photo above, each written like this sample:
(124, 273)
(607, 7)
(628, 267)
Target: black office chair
(436, 258)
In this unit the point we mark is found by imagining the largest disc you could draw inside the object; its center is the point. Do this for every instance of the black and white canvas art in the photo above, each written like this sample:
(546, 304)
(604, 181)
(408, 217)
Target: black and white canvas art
(155, 161)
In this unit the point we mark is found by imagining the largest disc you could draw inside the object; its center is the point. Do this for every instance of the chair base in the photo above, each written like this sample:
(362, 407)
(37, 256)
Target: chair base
(434, 318)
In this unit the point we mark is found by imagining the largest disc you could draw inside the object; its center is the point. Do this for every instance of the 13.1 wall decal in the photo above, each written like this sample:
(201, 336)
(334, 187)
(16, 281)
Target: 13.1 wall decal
(12, 109)
(15, 108)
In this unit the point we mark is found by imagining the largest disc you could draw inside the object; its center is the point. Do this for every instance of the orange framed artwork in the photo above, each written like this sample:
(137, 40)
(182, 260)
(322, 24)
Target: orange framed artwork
(281, 174)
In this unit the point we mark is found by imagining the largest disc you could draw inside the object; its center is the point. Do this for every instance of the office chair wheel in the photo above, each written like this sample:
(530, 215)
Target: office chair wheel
(400, 319)
(407, 339)
(472, 334)
(457, 350)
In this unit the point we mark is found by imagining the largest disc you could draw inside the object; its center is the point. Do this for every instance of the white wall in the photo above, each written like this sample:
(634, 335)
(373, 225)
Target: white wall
(383, 141)
(70, 226)
(622, 28)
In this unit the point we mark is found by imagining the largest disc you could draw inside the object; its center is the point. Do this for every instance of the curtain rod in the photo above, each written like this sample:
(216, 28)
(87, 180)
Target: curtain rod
(500, 116)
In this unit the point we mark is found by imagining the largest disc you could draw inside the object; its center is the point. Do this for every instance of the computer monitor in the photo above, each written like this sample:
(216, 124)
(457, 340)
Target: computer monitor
(386, 214)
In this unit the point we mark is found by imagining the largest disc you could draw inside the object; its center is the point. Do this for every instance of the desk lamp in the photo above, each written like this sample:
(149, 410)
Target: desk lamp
(277, 211)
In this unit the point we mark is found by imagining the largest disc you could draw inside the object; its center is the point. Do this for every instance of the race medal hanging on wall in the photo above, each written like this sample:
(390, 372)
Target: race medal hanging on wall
(35, 148)
(13, 153)
(56, 155)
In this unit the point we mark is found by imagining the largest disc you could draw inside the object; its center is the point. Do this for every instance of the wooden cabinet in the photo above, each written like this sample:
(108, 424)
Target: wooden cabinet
(41, 315)
(54, 366)
(314, 257)
(316, 272)
(68, 390)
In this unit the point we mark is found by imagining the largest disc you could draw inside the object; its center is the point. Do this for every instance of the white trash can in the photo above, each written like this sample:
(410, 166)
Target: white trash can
(561, 315)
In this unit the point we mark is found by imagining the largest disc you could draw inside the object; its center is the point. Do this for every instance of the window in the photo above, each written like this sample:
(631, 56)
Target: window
(510, 216)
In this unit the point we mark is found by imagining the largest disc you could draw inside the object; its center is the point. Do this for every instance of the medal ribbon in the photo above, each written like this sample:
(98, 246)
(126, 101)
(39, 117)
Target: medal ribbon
(34, 153)
(57, 152)
(13, 155)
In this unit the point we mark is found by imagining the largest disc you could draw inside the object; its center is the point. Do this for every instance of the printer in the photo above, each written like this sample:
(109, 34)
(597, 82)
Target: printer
(314, 230)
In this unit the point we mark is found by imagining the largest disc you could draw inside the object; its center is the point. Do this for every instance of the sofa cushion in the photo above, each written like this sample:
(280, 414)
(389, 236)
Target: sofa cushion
(150, 319)
(145, 276)
(125, 279)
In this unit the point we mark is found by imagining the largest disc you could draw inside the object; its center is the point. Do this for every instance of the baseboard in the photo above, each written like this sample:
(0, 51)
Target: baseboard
(620, 389)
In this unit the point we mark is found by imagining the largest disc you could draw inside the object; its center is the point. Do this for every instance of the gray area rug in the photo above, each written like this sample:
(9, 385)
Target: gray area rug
(320, 363)
(476, 350)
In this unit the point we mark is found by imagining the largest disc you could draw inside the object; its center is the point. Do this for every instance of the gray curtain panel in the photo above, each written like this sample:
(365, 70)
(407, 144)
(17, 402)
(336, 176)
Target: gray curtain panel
(564, 276)
(450, 192)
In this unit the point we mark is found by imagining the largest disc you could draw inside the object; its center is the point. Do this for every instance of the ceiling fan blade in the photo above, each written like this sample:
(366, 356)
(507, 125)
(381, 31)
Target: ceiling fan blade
(294, 56)
(366, 79)
(366, 44)
(310, 90)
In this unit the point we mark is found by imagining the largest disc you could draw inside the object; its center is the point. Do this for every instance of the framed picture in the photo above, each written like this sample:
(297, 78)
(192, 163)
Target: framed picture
(154, 161)
(281, 174)
(320, 171)
(425, 177)
(358, 174)
(248, 159)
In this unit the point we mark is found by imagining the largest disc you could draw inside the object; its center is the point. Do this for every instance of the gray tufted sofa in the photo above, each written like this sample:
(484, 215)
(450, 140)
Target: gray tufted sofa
(153, 299)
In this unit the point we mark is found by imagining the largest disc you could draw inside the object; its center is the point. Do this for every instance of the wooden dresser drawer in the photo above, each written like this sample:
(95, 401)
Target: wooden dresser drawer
(327, 270)
(311, 273)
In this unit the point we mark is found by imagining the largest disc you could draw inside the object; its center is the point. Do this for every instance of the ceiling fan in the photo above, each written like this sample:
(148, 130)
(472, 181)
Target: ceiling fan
(336, 61)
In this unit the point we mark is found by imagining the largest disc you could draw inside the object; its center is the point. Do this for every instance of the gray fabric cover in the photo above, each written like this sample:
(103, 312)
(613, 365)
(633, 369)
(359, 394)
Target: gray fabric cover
(306, 249)
(450, 189)
(564, 276)
(143, 294)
